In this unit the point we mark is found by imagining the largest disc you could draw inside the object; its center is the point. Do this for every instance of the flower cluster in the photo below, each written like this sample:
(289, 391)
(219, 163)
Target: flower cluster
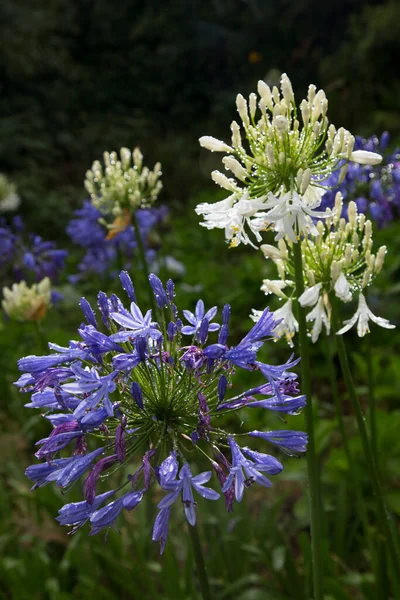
(123, 184)
(24, 303)
(375, 189)
(28, 257)
(279, 179)
(103, 249)
(150, 395)
(9, 199)
(338, 263)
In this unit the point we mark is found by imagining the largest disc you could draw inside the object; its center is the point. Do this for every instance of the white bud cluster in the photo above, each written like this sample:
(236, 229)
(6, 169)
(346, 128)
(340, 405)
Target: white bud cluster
(281, 149)
(23, 303)
(123, 183)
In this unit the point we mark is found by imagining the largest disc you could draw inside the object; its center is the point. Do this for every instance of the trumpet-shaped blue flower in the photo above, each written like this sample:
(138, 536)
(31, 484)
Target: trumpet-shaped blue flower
(252, 467)
(184, 486)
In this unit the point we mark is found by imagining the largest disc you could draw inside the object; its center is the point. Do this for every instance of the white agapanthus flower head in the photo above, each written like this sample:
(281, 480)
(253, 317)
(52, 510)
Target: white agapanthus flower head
(24, 303)
(338, 266)
(123, 184)
(284, 153)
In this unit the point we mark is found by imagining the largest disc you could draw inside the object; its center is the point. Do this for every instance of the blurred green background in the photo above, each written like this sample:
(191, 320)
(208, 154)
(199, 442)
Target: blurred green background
(78, 77)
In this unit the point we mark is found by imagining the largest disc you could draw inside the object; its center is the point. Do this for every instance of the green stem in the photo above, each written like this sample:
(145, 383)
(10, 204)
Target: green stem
(312, 461)
(199, 560)
(385, 519)
(361, 507)
(40, 337)
(371, 400)
(143, 260)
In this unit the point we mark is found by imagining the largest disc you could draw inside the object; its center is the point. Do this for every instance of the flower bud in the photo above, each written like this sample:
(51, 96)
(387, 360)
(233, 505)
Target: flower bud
(242, 109)
(271, 252)
(363, 157)
(236, 138)
(223, 181)
(252, 105)
(211, 143)
(265, 93)
(233, 165)
(380, 257)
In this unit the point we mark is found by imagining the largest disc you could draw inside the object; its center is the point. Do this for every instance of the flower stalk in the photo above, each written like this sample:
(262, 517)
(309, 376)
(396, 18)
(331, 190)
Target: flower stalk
(143, 259)
(383, 514)
(312, 462)
(200, 564)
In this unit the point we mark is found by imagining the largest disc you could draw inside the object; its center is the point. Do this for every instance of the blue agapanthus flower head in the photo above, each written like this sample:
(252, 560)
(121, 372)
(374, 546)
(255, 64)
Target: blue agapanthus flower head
(131, 391)
(375, 189)
(103, 246)
(28, 256)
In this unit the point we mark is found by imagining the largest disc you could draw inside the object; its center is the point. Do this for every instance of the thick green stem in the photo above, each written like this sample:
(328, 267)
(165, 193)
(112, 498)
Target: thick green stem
(312, 461)
(385, 519)
(143, 260)
(199, 560)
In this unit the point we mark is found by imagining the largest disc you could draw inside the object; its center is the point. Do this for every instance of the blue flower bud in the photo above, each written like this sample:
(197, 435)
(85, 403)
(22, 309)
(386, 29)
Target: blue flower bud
(88, 312)
(128, 285)
(137, 394)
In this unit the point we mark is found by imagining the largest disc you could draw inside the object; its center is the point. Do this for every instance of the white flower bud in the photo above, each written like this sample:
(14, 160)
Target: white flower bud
(335, 270)
(265, 93)
(236, 137)
(252, 104)
(280, 265)
(311, 277)
(283, 249)
(343, 173)
(281, 123)
(305, 111)
(367, 234)
(299, 177)
(310, 296)
(380, 257)
(125, 154)
(311, 92)
(275, 94)
(361, 221)
(347, 255)
(273, 286)
(269, 150)
(242, 109)
(137, 158)
(342, 289)
(271, 252)
(305, 181)
(329, 146)
(352, 213)
(363, 157)
(366, 278)
(287, 90)
(233, 165)
(221, 179)
(211, 143)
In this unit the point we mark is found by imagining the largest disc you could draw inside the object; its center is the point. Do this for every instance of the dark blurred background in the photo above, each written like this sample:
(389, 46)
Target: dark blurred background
(78, 77)
(81, 76)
